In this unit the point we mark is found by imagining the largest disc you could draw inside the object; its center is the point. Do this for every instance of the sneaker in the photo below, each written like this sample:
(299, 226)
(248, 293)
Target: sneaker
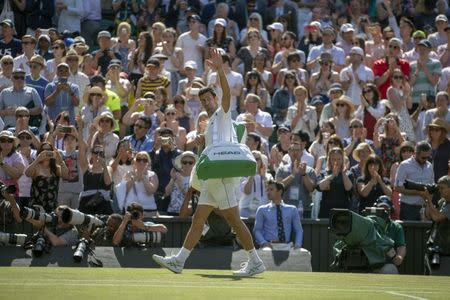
(250, 268)
(169, 262)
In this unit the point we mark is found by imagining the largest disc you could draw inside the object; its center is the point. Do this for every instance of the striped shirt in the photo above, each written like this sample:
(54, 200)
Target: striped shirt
(149, 85)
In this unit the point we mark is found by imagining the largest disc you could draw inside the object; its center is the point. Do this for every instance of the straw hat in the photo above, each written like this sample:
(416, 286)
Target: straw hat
(10, 135)
(92, 90)
(105, 115)
(183, 155)
(37, 59)
(359, 148)
(73, 53)
(439, 123)
(346, 100)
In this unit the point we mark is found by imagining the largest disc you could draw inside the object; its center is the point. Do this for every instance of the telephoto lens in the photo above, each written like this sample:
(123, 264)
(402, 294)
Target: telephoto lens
(12, 239)
(80, 250)
(34, 214)
(147, 237)
(75, 217)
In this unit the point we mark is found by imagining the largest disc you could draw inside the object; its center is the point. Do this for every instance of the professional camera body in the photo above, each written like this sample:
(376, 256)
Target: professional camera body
(12, 239)
(38, 244)
(361, 235)
(411, 185)
(82, 248)
(75, 217)
(8, 189)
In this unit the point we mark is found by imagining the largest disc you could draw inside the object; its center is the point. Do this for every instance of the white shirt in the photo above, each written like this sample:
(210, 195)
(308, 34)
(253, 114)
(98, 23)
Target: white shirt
(82, 80)
(263, 118)
(354, 90)
(219, 128)
(412, 55)
(306, 158)
(190, 50)
(70, 18)
(336, 52)
(234, 79)
(21, 61)
(309, 114)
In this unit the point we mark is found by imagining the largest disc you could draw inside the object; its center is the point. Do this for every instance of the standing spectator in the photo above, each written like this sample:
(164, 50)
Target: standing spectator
(383, 69)
(358, 135)
(281, 148)
(69, 14)
(346, 43)
(90, 23)
(254, 21)
(255, 85)
(259, 65)
(276, 222)
(246, 55)
(371, 185)
(193, 138)
(34, 79)
(21, 61)
(443, 51)
(294, 63)
(282, 8)
(192, 43)
(440, 36)
(46, 172)
(9, 45)
(59, 51)
(425, 73)
(101, 134)
(437, 137)
(317, 148)
(441, 111)
(105, 54)
(289, 43)
(76, 76)
(123, 44)
(93, 101)
(7, 64)
(371, 108)
(11, 164)
(413, 54)
(275, 44)
(312, 37)
(337, 54)
(322, 80)
(355, 76)
(343, 108)
(220, 39)
(302, 116)
(18, 95)
(417, 169)
(122, 163)
(231, 27)
(284, 97)
(139, 57)
(335, 185)
(151, 79)
(29, 155)
(334, 92)
(263, 120)
(126, 11)
(139, 140)
(60, 95)
(150, 12)
(170, 121)
(301, 138)
(299, 180)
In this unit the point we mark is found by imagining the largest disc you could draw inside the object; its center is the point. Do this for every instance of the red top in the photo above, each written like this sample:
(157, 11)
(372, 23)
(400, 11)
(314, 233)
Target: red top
(369, 123)
(380, 66)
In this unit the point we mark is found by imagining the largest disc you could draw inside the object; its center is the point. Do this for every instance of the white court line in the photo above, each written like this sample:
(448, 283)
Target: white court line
(406, 295)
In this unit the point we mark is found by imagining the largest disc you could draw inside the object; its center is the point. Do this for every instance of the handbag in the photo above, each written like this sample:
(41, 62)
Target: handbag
(7, 12)
(224, 160)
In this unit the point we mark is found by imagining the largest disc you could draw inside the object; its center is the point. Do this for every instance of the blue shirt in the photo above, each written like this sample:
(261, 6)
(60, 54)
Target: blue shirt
(63, 101)
(143, 144)
(266, 227)
(39, 85)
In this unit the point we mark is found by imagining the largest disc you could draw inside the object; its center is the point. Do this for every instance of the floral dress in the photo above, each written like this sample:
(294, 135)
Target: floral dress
(44, 192)
(388, 155)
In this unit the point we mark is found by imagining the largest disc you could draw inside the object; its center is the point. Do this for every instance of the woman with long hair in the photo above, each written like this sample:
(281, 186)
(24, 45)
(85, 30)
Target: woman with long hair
(94, 105)
(59, 51)
(174, 62)
(139, 56)
(56, 135)
(343, 108)
(122, 162)
(284, 97)
(317, 148)
(123, 44)
(170, 121)
(335, 185)
(360, 155)
(247, 54)
(260, 63)
(387, 139)
(255, 85)
(101, 133)
(372, 184)
(312, 37)
(11, 162)
(220, 39)
(254, 21)
(320, 82)
(45, 173)
(371, 109)
(183, 112)
(399, 94)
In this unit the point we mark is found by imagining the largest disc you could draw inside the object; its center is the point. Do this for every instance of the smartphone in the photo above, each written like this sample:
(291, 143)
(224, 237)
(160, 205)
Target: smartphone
(66, 129)
(165, 140)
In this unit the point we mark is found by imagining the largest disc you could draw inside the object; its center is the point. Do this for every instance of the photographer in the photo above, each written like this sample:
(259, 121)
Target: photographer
(132, 223)
(440, 235)
(9, 209)
(59, 234)
(103, 236)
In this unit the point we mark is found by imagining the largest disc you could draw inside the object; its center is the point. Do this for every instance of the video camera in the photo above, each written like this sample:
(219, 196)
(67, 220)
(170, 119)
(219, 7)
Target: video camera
(411, 185)
(12, 238)
(75, 217)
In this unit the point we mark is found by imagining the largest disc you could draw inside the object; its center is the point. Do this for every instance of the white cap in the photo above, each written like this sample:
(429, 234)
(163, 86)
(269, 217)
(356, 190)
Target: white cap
(357, 50)
(441, 18)
(347, 27)
(220, 21)
(191, 65)
(276, 26)
(316, 24)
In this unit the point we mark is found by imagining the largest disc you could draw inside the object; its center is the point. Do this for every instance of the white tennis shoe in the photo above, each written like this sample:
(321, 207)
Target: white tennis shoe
(250, 268)
(169, 262)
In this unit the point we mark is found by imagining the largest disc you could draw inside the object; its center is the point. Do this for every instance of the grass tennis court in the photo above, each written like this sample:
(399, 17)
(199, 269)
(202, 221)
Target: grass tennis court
(123, 283)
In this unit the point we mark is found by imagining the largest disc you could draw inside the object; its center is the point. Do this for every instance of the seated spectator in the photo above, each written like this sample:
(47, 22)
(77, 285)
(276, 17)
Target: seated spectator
(101, 134)
(93, 105)
(302, 116)
(46, 171)
(11, 163)
(140, 185)
(276, 222)
(6, 75)
(371, 108)
(253, 188)
(18, 95)
(60, 95)
(130, 225)
(371, 185)
(335, 185)
(60, 235)
(299, 180)
(179, 181)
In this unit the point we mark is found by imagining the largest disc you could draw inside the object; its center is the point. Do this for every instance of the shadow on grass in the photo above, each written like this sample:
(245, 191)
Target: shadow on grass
(232, 277)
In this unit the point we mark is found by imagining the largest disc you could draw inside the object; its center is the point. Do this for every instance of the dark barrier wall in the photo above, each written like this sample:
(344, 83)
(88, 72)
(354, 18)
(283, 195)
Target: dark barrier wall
(316, 239)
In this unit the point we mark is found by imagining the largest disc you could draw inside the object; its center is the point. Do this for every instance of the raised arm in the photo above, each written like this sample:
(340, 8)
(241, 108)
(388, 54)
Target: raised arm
(217, 63)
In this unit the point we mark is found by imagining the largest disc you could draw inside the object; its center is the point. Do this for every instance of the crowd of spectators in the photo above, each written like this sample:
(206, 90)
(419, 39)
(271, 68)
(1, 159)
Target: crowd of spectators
(342, 101)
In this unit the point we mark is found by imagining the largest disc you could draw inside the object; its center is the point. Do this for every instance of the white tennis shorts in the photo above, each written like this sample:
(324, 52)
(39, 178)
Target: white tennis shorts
(219, 193)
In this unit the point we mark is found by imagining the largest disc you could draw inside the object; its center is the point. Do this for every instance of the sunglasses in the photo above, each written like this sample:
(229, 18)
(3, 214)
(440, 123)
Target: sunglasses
(56, 47)
(96, 94)
(19, 77)
(6, 140)
(22, 116)
(172, 113)
(139, 126)
(393, 47)
(97, 152)
(27, 43)
(397, 77)
(178, 102)
(340, 104)
(325, 63)
(24, 137)
(142, 159)
(7, 63)
(187, 162)
(367, 91)
(355, 126)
